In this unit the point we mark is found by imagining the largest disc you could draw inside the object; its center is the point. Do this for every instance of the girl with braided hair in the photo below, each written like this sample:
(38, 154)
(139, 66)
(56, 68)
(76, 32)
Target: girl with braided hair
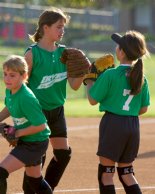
(123, 95)
(48, 79)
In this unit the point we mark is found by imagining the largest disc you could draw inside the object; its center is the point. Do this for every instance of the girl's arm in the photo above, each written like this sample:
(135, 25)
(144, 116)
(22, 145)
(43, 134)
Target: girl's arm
(30, 130)
(143, 110)
(75, 83)
(29, 60)
(4, 114)
(89, 85)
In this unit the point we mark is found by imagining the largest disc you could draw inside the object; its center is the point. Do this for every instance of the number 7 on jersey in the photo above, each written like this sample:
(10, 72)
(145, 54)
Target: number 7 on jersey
(127, 102)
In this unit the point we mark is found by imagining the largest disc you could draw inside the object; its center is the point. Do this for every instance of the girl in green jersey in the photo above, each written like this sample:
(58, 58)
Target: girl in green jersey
(47, 79)
(31, 128)
(123, 94)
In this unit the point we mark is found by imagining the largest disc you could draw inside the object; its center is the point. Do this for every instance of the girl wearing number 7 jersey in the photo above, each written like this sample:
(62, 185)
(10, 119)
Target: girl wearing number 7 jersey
(123, 94)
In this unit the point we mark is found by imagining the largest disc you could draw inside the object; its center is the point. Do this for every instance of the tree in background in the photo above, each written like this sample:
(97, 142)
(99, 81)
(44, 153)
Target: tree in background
(96, 4)
(57, 3)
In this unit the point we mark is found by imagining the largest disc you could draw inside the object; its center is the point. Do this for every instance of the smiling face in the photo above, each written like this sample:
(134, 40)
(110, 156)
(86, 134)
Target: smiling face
(12, 79)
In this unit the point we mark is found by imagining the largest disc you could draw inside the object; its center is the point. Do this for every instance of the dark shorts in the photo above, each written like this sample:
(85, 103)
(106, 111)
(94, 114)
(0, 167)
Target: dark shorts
(56, 122)
(119, 137)
(30, 153)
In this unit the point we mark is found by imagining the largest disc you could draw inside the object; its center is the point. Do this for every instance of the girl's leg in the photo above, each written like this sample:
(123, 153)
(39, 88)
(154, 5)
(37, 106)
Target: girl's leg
(7, 166)
(36, 181)
(59, 141)
(26, 187)
(127, 178)
(3, 182)
(57, 165)
(11, 163)
(106, 170)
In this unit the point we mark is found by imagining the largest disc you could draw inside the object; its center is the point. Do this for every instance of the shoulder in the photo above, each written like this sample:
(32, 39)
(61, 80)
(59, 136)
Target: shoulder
(107, 75)
(145, 82)
(28, 97)
(7, 93)
(31, 47)
(60, 49)
(27, 93)
(27, 101)
(109, 72)
(61, 45)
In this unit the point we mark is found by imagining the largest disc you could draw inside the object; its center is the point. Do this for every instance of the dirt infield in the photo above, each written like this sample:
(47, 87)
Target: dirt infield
(81, 174)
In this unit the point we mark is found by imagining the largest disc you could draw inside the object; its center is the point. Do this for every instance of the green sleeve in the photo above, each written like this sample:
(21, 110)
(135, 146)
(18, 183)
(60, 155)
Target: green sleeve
(145, 94)
(33, 112)
(100, 88)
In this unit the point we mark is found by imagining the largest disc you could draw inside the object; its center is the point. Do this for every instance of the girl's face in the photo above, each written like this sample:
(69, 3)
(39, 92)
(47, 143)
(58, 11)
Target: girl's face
(118, 52)
(13, 80)
(121, 56)
(55, 32)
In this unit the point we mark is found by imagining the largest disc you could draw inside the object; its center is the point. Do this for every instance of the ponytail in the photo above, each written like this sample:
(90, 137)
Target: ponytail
(136, 77)
(37, 35)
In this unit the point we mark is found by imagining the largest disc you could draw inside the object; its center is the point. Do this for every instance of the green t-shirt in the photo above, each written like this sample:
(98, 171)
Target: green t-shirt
(25, 111)
(48, 77)
(112, 91)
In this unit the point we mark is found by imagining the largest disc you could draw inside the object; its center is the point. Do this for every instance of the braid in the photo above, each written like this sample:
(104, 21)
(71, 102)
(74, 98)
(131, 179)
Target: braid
(136, 77)
(37, 35)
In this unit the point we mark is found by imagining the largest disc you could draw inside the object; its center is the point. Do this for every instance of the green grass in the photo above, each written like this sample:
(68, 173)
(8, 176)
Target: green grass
(81, 108)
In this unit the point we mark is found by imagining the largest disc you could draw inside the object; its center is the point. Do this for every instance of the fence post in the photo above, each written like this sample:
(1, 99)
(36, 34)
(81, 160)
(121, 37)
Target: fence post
(26, 21)
(11, 28)
(87, 21)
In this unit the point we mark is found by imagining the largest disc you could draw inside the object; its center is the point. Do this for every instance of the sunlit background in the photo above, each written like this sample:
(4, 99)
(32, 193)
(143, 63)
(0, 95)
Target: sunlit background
(92, 22)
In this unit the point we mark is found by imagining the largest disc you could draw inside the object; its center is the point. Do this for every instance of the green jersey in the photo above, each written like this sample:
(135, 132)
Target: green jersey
(25, 111)
(48, 77)
(112, 91)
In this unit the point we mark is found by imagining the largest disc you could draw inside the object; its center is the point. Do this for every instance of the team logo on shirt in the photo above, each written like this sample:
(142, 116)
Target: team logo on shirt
(19, 121)
(50, 80)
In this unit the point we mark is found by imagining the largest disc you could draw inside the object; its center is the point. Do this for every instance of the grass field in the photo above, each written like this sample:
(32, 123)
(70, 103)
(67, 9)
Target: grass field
(76, 104)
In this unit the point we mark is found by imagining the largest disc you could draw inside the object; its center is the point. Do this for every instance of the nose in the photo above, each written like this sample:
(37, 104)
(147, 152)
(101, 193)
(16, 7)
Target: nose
(62, 31)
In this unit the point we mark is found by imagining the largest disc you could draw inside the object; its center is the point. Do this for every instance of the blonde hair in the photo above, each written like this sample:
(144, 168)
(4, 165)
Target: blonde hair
(16, 63)
(48, 17)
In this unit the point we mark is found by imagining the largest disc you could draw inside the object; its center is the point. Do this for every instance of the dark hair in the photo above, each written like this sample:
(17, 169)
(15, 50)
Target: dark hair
(136, 77)
(48, 17)
(134, 46)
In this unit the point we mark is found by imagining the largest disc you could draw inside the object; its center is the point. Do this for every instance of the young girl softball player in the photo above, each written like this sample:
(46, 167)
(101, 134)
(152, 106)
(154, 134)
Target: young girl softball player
(48, 79)
(123, 94)
(31, 128)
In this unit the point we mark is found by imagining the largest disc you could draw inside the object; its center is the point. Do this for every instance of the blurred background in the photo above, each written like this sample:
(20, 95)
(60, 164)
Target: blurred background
(92, 22)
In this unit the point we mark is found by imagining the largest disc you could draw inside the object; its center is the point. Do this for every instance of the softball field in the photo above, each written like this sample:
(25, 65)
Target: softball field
(81, 175)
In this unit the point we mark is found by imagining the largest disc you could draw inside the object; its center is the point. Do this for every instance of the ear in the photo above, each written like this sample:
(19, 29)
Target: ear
(122, 53)
(25, 77)
(45, 27)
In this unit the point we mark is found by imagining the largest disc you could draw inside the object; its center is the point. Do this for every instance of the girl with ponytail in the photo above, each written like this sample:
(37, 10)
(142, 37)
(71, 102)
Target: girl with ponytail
(123, 95)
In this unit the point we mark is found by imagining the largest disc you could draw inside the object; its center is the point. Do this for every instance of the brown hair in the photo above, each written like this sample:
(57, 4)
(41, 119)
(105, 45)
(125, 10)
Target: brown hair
(135, 48)
(16, 63)
(48, 17)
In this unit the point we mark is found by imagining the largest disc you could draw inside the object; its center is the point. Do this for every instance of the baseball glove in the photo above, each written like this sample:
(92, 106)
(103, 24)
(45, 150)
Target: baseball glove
(76, 61)
(99, 66)
(8, 132)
